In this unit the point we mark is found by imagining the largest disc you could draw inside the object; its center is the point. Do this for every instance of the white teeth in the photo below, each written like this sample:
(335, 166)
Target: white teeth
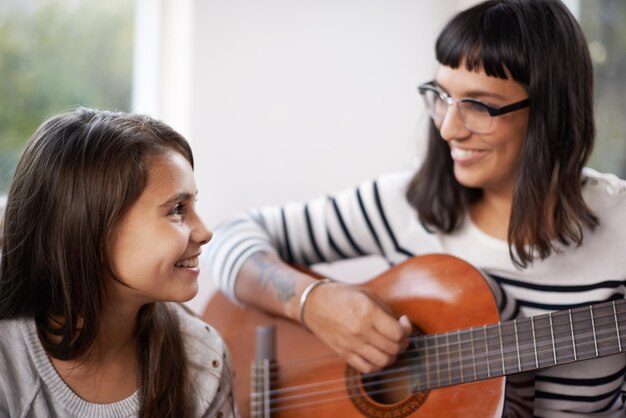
(192, 262)
(462, 153)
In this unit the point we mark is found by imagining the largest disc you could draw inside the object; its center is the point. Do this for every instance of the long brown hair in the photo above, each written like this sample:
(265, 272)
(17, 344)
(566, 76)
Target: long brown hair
(79, 174)
(542, 46)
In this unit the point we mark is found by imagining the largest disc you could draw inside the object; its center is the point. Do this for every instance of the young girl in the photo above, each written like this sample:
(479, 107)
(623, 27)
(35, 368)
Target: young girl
(101, 235)
(503, 186)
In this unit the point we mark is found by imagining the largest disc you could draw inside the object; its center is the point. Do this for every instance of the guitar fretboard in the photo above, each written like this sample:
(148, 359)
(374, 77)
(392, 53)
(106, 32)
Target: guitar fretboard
(517, 346)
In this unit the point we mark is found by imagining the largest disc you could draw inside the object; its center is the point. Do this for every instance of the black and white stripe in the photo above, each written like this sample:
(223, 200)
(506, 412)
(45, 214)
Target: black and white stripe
(375, 219)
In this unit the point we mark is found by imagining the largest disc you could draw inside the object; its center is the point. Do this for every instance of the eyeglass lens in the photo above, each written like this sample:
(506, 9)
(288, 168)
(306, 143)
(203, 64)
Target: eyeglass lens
(474, 116)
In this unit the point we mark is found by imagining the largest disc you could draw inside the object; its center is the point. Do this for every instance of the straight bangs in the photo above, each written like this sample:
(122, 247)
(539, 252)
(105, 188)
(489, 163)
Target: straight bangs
(485, 38)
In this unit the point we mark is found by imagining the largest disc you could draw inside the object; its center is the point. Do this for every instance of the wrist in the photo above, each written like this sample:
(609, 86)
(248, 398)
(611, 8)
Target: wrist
(304, 297)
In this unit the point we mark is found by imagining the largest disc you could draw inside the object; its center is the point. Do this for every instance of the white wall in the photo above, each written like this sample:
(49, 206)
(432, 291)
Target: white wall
(290, 99)
(297, 98)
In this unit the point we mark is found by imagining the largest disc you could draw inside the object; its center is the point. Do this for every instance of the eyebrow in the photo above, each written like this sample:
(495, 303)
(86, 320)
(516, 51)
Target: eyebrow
(473, 93)
(178, 197)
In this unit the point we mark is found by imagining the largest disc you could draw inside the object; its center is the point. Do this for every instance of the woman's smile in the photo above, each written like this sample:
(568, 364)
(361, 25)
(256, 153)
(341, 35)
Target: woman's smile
(466, 156)
(487, 161)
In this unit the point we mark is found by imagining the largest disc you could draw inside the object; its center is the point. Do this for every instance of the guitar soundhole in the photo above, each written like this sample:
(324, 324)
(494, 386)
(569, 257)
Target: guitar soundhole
(388, 393)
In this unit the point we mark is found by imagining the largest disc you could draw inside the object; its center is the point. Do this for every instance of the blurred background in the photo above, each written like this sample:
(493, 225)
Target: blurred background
(280, 99)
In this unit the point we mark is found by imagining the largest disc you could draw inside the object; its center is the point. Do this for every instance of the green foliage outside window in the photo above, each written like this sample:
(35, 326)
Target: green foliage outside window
(56, 55)
(604, 23)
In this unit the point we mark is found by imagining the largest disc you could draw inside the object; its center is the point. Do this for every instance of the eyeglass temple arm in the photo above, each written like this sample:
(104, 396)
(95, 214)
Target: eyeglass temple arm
(509, 108)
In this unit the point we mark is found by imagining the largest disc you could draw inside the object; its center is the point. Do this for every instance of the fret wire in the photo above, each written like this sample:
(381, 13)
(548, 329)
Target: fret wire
(519, 361)
(437, 361)
(427, 363)
(593, 328)
(501, 348)
(458, 333)
(552, 334)
(603, 334)
(449, 367)
(574, 311)
(487, 350)
(532, 327)
(413, 369)
(519, 321)
(560, 341)
(473, 352)
(571, 326)
(619, 338)
(600, 337)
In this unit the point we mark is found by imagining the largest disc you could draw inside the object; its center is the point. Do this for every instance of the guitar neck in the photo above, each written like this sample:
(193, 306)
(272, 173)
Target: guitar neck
(517, 346)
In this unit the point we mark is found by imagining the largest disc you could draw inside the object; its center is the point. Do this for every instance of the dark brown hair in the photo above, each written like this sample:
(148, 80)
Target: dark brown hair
(543, 48)
(79, 174)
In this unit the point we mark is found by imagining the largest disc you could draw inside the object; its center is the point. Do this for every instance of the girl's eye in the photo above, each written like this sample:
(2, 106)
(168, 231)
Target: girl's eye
(177, 210)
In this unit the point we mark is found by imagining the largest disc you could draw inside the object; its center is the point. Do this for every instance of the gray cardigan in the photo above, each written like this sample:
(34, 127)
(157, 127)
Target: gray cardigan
(31, 387)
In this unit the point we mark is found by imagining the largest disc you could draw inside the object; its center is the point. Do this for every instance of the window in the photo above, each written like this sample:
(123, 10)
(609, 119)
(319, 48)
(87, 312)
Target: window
(56, 55)
(604, 24)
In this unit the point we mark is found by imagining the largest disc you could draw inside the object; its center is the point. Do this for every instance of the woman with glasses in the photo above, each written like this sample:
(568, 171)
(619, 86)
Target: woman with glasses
(503, 186)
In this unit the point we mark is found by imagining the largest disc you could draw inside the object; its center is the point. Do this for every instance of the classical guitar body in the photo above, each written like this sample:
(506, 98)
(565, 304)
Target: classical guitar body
(438, 293)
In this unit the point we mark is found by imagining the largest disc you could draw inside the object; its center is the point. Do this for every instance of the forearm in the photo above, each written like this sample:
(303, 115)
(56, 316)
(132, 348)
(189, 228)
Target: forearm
(268, 283)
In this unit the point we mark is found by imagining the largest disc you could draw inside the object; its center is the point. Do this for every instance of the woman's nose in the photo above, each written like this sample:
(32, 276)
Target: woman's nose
(452, 126)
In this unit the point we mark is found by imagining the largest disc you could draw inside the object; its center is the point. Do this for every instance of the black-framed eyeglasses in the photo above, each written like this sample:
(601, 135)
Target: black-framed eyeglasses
(476, 115)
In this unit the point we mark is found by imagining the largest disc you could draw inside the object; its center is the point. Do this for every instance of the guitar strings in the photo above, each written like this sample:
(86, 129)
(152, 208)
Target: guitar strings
(442, 365)
(308, 401)
(522, 348)
(257, 405)
(337, 389)
(390, 371)
(308, 398)
(301, 364)
(393, 371)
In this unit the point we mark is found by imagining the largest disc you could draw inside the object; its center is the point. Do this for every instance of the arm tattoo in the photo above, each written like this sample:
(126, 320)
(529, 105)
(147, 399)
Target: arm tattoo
(283, 281)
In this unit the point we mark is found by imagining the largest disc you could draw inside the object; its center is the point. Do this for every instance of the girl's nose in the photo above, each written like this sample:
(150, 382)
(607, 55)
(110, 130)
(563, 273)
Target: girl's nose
(201, 233)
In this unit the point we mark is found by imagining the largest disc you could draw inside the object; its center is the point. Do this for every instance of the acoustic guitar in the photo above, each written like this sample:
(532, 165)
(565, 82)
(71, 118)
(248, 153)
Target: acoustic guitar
(456, 363)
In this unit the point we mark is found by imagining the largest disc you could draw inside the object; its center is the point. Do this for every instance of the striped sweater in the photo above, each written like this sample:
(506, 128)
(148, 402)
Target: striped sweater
(375, 219)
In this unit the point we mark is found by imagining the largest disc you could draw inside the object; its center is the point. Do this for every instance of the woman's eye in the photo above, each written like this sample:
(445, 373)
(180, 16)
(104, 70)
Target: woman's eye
(475, 107)
(177, 210)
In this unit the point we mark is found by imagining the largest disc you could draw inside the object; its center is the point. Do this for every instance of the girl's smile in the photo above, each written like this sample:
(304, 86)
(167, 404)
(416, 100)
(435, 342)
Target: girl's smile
(190, 263)
(165, 234)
